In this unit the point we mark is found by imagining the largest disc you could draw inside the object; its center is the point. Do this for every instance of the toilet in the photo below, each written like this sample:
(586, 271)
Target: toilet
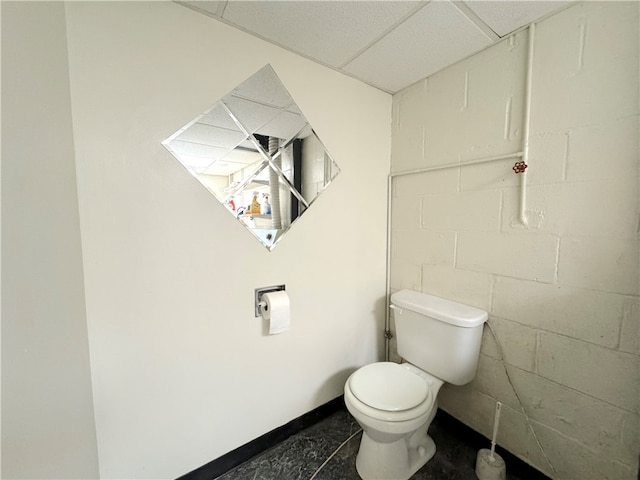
(395, 403)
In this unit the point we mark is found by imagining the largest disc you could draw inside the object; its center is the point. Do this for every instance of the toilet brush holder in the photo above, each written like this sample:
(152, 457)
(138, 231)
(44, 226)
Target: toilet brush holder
(490, 465)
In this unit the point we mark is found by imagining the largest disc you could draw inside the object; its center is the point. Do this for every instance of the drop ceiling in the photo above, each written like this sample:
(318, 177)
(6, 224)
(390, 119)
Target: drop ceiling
(387, 44)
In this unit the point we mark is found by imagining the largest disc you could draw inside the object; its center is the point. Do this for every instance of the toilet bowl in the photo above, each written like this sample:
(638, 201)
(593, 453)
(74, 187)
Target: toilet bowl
(439, 340)
(394, 404)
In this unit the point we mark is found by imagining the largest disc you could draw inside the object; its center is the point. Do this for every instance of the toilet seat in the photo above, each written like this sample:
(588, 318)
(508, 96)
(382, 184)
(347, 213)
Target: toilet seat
(388, 386)
(389, 391)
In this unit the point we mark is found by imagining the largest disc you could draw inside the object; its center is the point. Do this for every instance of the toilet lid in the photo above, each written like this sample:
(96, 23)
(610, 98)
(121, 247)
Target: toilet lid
(388, 386)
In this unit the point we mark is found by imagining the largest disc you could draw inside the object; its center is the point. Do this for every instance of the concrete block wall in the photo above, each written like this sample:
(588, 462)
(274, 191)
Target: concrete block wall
(563, 292)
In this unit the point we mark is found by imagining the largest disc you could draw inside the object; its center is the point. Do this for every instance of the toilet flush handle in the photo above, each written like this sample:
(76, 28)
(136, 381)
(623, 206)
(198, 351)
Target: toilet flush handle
(398, 309)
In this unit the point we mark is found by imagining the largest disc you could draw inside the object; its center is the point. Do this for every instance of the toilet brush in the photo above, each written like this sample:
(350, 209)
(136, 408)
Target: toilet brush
(490, 465)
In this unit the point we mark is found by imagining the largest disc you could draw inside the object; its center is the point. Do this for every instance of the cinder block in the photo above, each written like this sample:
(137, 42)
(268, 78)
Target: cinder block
(516, 343)
(606, 264)
(515, 435)
(426, 246)
(557, 41)
(491, 379)
(493, 111)
(594, 208)
(438, 181)
(602, 38)
(547, 157)
(484, 132)
(490, 120)
(405, 213)
(465, 286)
(594, 423)
(407, 141)
(489, 346)
(498, 174)
(477, 410)
(445, 101)
(409, 104)
(630, 332)
(537, 206)
(604, 151)
(574, 83)
(405, 275)
(587, 315)
(525, 255)
(574, 272)
(605, 208)
(485, 89)
(511, 220)
(570, 458)
(606, 374)
(624, 472)
(469, 406)
(407, 147)
(478, 210)
(630, 440)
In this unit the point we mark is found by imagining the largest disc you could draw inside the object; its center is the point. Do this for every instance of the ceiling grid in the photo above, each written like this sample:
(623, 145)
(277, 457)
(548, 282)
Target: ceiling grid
(386, 44)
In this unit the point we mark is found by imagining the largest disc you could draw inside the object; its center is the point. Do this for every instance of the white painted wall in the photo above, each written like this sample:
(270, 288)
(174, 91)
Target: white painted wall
(48, 428)
(562, 294)
(182, 370)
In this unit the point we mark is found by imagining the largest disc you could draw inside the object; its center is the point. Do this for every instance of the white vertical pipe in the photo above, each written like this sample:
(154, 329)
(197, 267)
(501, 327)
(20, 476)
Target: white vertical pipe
(387, 319)
(527, 122)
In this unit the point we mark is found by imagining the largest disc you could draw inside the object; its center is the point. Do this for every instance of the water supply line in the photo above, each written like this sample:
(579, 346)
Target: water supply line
(519, 168)
(520, 402)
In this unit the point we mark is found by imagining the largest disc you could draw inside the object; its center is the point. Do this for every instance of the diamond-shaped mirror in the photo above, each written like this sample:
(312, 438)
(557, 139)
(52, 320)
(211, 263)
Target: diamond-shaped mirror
(256, 153)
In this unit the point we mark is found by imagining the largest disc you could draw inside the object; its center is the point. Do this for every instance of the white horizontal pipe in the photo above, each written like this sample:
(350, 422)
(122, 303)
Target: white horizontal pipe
(460, 164)
(387, 320)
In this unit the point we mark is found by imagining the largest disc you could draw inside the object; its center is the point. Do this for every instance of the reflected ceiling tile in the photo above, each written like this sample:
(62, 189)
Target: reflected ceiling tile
(195, 163)
(264, 87)
(284, 126)
(505, 17)
(218, 117)
(327, 31)
(250, 114)
(222, 168)
(208, 135)
(208, 152)
(306, 132)
(243, 157)
(439, 35)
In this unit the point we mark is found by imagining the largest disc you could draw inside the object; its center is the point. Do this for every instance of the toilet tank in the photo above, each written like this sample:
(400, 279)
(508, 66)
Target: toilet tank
(439, 336)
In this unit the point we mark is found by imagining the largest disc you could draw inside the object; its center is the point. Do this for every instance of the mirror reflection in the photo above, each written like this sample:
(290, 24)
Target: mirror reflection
(256, 153)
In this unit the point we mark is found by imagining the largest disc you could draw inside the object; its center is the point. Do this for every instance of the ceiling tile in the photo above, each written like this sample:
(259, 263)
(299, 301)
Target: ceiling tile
(330, 32)
(436, 36)
(505, 17)
(389, 44)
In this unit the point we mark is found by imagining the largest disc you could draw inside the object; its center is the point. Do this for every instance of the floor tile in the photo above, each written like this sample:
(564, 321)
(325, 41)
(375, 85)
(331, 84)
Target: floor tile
(300, 456)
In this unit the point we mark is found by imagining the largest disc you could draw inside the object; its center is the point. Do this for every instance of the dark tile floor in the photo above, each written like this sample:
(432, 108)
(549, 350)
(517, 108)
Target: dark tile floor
(298, 457)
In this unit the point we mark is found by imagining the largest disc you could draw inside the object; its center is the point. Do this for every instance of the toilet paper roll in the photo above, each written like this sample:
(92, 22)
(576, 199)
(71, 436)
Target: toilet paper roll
(276, 311)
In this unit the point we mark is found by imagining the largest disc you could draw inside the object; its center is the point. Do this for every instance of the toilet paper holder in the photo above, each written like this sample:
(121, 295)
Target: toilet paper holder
(258, 292)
